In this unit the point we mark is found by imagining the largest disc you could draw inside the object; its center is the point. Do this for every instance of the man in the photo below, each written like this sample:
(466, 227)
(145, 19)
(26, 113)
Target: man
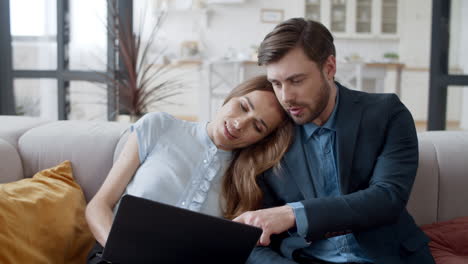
(341, 194)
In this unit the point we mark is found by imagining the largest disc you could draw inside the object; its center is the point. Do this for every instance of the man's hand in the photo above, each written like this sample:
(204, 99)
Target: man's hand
(274, 220)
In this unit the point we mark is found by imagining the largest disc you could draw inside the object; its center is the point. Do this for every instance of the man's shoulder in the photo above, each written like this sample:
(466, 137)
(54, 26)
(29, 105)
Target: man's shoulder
(375, 102)
(371, 98)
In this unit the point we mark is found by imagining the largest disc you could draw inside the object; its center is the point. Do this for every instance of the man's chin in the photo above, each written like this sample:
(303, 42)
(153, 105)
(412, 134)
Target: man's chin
(302, 119)
(299, 120)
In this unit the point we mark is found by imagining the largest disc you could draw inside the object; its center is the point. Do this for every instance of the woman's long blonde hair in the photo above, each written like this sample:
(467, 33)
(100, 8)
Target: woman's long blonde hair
(240, 191)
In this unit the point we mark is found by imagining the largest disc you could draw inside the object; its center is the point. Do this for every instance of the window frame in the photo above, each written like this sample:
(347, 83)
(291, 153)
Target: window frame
(440, 78)
(61, 74)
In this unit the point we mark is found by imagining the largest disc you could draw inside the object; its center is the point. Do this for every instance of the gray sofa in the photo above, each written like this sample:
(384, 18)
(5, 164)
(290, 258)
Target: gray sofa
(28, 145)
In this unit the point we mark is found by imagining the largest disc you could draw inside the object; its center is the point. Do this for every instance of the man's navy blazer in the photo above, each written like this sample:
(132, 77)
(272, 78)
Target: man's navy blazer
(377, 159)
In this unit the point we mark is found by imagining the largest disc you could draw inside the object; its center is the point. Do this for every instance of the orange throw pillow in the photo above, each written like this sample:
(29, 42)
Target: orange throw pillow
(449, 241)
(42, 219)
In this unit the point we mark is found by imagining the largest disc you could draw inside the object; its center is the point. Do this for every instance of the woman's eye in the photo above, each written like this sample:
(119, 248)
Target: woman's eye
(257, 128)
(243, 107)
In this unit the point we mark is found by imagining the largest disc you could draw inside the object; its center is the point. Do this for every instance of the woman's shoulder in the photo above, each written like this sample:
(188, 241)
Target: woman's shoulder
(157, 116)
(158, 119)
(165, 120)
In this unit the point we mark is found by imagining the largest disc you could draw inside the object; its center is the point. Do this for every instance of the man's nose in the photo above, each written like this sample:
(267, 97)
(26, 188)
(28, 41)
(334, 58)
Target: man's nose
(287, 95)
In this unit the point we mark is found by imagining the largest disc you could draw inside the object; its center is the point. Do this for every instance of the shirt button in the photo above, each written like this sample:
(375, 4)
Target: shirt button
(183, 203)
(327, 149)
(205, 161)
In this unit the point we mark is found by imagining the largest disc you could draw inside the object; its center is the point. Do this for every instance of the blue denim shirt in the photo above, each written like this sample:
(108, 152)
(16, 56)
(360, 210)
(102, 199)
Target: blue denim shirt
(320, 150)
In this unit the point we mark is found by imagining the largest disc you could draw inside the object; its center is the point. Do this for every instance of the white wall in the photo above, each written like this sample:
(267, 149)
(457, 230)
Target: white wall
(219, 29)
(368, 49)
(414, 48)
(457, 58)
(223, 28)
(240, 27)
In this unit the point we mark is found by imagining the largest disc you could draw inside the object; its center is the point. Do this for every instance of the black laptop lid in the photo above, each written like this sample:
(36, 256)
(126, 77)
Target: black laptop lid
(145, 231)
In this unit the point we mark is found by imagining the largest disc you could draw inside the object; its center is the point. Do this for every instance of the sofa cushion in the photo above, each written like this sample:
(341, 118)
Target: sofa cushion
(10, 163)
(449, 241)
(88, 145)
(42, 219)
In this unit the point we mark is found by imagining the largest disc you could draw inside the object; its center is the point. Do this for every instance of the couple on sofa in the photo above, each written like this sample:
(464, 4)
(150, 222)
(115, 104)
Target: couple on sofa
(326, 172)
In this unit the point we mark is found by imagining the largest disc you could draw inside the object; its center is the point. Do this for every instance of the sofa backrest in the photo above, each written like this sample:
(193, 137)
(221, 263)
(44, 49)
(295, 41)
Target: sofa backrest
(440, 189)
(438, 193)
(90, 147)
(11, 168)
(11, 129)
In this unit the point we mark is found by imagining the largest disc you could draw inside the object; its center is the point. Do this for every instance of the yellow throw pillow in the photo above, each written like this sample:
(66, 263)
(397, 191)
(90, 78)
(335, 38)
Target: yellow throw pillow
(42, 219)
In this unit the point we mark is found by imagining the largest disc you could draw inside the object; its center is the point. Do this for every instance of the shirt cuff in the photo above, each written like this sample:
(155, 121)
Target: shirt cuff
(302, 224)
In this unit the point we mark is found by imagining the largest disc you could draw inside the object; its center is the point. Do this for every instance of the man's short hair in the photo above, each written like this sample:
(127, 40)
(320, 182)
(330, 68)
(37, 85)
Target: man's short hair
(315, 39)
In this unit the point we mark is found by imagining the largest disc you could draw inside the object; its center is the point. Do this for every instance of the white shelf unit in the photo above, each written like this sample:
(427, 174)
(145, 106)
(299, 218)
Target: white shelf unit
(356, 18)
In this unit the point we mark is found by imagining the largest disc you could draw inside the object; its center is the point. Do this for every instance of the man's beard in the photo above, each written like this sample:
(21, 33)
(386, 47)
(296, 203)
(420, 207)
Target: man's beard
(313, 113)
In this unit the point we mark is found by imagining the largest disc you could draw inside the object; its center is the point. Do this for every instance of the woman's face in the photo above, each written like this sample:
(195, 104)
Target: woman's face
(246, 120)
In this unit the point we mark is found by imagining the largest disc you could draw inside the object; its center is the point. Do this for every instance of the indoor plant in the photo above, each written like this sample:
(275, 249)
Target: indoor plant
(145, 76)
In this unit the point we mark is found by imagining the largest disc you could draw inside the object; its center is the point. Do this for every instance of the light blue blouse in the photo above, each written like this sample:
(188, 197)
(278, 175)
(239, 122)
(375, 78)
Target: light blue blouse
(180, 164)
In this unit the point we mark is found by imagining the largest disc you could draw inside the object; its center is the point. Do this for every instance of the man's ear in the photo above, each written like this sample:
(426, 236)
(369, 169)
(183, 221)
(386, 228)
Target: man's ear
(329, 67)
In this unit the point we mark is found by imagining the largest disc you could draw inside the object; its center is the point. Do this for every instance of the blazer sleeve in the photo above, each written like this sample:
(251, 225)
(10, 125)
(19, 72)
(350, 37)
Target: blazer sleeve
(389, 186)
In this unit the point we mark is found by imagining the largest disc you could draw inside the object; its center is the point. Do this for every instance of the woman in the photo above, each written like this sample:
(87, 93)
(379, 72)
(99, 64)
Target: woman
(182, 163)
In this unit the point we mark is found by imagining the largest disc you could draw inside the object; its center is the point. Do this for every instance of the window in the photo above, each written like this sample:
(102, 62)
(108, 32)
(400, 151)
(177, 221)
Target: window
(338, 16)
(363, 16)
(389, 16)
(58, 46)
(36, 97)
(34, 34)
(449, 65)
(88, 37)
(313, 10)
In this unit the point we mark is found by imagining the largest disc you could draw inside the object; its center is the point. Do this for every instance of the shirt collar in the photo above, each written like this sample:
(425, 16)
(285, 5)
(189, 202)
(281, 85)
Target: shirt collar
(310, 128)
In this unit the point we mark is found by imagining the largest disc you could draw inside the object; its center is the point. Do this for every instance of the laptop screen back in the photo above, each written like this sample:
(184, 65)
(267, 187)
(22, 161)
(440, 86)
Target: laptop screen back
(145, 231)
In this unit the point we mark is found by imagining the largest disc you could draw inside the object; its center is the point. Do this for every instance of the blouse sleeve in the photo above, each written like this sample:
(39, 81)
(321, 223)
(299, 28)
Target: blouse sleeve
(148, 128)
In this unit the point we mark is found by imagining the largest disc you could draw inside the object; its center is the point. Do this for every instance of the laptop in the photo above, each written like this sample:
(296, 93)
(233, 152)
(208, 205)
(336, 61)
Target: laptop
(146, 231)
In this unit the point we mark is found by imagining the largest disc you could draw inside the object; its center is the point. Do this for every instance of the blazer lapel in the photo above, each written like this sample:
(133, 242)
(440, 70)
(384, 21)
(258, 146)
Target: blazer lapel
(296, 166)
(347, 125)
